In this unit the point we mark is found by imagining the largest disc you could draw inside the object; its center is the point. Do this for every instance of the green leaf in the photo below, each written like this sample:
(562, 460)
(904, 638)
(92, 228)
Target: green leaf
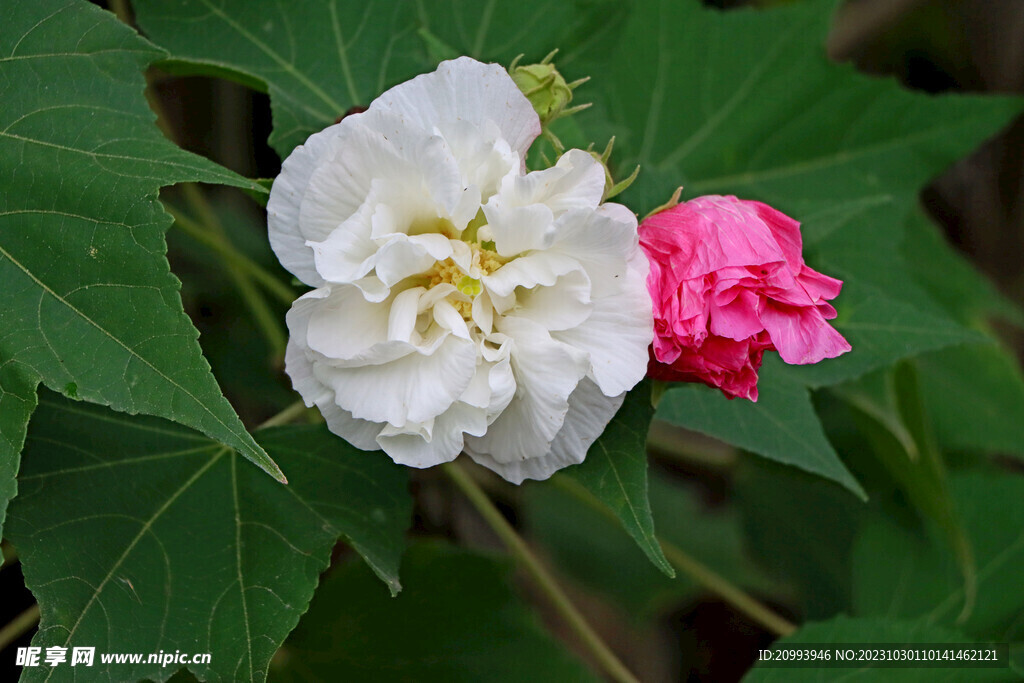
(747, 103)
(781, 425)
(907, 449)
(949, 278)
(457, 620)
(918, 577)
(174, 543)
(593, 548)
(975, 395)
(615, 472)
(90, 308)
(316, 58)
(17, 401)
(348, 53)
(846, 632)
(500, 31)
(800, 529)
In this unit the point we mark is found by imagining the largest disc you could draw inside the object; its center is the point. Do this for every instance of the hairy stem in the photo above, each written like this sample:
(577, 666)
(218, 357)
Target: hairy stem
(19, 626)
(518, 547)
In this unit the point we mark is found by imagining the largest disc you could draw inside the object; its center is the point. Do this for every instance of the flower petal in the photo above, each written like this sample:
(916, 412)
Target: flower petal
(340, 324)
(415, 387)
(801, 334)
(601, 241)
(521, 217)
(562, 306)
(286, 238)
(464, 89)
(589, 413)
(546, 373)
(618, 332)
(441, 443)
(359, 433)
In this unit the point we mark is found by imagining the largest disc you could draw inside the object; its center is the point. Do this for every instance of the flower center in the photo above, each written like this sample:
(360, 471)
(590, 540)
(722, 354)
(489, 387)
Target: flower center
(484, 262)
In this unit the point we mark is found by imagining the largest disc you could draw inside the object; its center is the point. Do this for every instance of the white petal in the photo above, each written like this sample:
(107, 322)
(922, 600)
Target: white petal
(286, 237)
(618, 332)
(562, 306)
(346, 255)
(403, 314)
(539, 268)
(412, 388)
(485, 158)
(546, 372)
(441, 443)
(599, 240)
(343, 181)
(404, 256)
(521, 217)
(359, 433)
(342, 325)
(450, 319)
(464, 89)
(590, 411)
(516, 229)
(575, 182)
(483, 313)
(502, 383)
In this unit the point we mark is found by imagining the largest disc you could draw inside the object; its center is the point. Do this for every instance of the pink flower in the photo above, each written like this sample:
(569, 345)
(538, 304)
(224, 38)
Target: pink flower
(729, 282)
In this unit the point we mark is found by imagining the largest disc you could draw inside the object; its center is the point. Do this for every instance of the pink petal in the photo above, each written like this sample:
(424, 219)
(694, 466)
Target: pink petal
(801, 334)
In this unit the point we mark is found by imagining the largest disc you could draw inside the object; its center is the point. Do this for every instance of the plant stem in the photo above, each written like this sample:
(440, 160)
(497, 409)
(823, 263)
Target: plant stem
(732, 594)
(7, 554)
(268, 281)
(285, 416)
(701, 573)
(601, 652)
(19, 626)
(120, 10)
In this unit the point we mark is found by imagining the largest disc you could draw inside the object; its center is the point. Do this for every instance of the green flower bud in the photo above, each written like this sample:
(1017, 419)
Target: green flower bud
(547, 90)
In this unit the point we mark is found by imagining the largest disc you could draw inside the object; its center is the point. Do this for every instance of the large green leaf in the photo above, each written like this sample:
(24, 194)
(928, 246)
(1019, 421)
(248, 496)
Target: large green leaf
(920, 578)
(801, 529)
(975, 395)
(845, 633)
(17, 401)
(949, 278)
(747, 103)
(615, 472)
(90, 308)
(161, 539)
(457, 620)
(318, 58)
(893, 419)
(781, 425)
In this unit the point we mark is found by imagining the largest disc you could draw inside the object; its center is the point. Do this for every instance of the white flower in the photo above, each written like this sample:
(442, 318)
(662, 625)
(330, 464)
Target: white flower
(459, 303)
